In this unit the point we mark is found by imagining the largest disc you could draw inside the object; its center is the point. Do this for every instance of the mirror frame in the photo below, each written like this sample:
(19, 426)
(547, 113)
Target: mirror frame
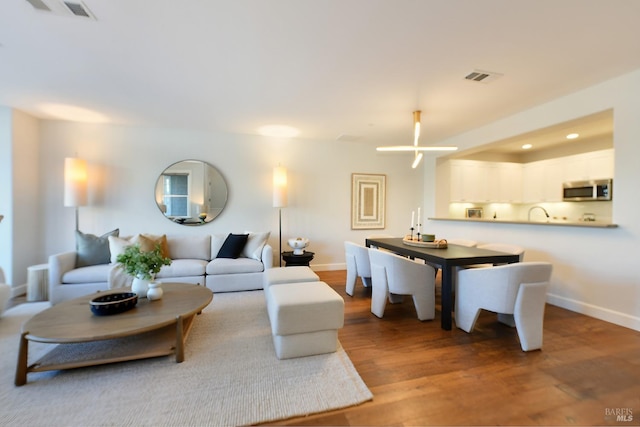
(206, 197)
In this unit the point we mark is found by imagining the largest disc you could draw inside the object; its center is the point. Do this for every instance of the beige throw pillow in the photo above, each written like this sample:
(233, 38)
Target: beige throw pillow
(164, 245)
(117, 245)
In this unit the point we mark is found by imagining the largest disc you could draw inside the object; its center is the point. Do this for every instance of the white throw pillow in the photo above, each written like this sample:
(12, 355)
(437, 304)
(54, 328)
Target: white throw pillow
(117, 245)
(255, 243)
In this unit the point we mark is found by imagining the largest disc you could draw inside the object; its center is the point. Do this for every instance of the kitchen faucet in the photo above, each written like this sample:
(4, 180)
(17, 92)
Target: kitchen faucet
(539, 207)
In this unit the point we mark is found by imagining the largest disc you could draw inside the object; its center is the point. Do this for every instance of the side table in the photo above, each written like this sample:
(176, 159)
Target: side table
(38, 282)
(292, 260)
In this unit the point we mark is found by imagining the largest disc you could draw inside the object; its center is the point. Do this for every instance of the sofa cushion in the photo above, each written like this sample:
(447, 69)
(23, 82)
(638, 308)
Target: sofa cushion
(91, 274)
(93, 250)
(190, 247)
(183, 267)
(255, 243)
(234, 266)
(233, 245)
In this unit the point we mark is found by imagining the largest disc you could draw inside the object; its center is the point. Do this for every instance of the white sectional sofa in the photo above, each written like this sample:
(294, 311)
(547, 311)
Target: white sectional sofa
(194, 260)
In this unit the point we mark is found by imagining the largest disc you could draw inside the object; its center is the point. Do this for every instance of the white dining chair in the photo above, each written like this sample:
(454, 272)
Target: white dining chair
(517, 292)
(357, 260)
(394, 276)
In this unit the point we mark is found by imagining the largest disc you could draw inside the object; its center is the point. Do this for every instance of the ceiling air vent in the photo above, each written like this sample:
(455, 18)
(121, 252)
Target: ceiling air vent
(63, 8)
(79, 9)
(482, 76)
(39, 5)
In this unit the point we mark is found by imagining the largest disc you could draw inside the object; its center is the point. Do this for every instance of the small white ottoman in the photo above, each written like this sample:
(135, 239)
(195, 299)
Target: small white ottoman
(280, 275)
(305, 318)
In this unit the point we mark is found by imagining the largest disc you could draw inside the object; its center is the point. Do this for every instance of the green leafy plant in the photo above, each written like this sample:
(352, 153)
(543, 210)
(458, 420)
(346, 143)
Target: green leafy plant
(143, 265)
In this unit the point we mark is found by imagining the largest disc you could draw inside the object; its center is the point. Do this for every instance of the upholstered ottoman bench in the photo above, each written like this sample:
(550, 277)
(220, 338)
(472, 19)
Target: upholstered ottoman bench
(280, 275)
(305, 318)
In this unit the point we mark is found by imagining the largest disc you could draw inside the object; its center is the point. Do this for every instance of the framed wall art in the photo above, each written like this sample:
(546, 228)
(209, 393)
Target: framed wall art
(474, 212)
(368, 197)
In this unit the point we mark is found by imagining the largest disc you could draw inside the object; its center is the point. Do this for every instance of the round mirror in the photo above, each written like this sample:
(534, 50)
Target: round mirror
(191, 192)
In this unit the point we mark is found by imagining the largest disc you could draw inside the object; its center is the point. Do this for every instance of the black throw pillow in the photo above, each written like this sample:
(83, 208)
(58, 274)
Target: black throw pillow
(233, 245)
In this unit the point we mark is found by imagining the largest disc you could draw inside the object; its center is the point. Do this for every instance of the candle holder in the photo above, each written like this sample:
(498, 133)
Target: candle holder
(411, 232)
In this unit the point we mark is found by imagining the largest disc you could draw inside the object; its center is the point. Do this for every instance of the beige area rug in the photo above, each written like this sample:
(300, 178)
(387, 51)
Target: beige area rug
(230, 376)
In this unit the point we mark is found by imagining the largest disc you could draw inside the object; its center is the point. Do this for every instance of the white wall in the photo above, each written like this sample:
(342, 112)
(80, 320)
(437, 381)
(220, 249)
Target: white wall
(6, 191)
(19, 194)
(27, 207)
(125, 162)
(594, 269)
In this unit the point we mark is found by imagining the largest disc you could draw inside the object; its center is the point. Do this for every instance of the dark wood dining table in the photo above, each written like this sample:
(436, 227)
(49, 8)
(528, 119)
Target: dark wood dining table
(447, 259)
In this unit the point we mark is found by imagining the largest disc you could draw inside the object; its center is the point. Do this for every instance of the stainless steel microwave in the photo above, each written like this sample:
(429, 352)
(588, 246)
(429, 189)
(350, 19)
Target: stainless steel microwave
(583, 191)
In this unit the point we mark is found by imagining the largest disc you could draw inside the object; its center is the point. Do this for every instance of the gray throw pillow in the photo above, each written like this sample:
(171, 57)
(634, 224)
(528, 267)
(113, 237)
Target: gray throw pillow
(93, 250)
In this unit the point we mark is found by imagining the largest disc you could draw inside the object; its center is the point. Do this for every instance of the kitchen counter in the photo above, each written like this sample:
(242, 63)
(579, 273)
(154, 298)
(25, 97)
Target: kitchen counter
(562, 223)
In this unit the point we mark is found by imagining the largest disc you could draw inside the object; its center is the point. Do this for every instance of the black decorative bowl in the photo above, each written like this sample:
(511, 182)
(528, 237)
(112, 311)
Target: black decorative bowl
(113, 303)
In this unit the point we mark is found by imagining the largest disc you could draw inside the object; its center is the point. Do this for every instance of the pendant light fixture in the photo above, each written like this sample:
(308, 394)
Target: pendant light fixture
(417, 149)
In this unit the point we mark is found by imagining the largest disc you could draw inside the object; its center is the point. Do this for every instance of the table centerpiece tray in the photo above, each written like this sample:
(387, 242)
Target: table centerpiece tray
(436, 244)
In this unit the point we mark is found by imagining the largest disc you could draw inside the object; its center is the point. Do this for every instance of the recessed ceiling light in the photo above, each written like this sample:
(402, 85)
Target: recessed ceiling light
(278, 131)
(572, 136)
(526, 146)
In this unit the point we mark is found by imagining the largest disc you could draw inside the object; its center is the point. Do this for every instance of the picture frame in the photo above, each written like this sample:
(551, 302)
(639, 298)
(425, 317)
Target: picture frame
(475, 213)
(368, 201)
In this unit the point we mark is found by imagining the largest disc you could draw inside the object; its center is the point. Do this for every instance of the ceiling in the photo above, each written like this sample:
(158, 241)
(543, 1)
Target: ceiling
(346, 70)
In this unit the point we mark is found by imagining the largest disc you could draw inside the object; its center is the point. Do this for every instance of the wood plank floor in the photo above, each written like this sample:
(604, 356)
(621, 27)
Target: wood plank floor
(421, 375)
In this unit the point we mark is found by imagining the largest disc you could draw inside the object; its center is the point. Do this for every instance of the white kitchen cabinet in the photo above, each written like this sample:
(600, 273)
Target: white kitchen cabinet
(600, 164)
(467, 178)
(474, 181)
(542, 181)
(485, 182)
(509, 182)
(593, 165)
(532, 182)
(553, 177)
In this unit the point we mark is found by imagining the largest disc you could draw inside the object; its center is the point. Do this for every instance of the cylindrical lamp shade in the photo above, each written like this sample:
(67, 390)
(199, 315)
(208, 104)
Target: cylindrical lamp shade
(75, 182)
(279, 187)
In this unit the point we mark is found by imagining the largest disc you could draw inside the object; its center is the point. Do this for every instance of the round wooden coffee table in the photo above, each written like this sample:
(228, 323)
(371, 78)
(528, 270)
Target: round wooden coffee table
(150, 329)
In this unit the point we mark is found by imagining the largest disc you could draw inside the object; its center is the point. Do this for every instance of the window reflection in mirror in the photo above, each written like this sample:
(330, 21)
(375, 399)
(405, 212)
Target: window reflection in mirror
(191, 192)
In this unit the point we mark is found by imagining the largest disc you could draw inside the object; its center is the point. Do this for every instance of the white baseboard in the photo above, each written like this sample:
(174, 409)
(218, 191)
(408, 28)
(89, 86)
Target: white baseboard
(601, 313)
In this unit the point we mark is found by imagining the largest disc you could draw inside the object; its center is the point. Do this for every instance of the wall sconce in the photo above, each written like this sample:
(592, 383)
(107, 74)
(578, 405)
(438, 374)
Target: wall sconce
(280, 201)
(75, 184)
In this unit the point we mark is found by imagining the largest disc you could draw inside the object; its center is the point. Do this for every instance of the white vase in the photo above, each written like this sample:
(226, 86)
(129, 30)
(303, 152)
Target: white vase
(155, 291)
(140, 287)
